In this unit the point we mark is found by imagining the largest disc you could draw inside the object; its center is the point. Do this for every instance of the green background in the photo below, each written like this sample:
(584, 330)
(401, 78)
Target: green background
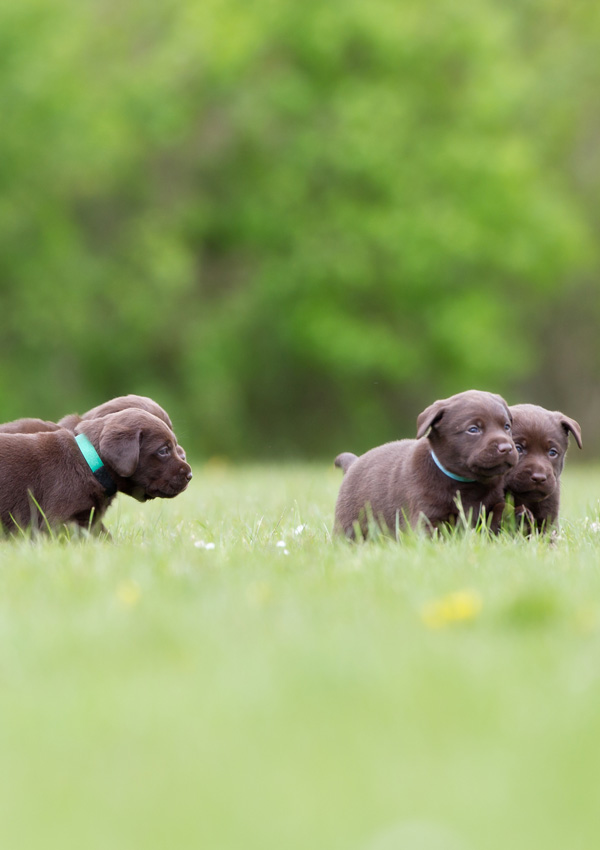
(296, 224)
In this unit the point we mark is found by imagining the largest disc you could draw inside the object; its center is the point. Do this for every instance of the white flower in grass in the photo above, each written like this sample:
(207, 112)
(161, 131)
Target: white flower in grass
(281, 544)
(300, 528)
(200, 544)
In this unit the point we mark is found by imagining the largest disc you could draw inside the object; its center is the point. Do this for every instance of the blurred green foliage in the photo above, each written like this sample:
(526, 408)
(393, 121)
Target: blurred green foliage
(294, 224)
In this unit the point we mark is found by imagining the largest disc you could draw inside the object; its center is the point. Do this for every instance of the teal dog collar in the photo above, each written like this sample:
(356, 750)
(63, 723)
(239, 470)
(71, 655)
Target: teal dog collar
(94, 461)
(450, 474)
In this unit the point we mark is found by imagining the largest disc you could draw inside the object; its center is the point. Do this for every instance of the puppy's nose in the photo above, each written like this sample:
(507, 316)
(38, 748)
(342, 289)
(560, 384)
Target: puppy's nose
(538, 477)
(505, 448)
(189, 475)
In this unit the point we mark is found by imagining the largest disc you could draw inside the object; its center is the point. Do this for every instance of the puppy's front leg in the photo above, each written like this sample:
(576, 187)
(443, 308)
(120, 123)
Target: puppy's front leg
(92, 524)
(100, 530)
(496, 515)
(525, 519)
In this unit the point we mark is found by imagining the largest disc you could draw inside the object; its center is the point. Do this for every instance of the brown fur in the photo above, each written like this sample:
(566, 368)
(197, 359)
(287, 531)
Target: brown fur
(28, 426)
(541, 437)
(72, 420)
(115, 405)
(399, 483)
(138, 450)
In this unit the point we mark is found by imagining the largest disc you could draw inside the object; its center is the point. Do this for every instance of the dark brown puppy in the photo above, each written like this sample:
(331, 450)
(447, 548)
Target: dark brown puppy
(541, 438)
(49, 470)
(466, 454)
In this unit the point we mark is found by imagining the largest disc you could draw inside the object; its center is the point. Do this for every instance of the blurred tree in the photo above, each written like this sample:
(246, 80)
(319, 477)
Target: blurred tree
(562, 41)
(294, 224)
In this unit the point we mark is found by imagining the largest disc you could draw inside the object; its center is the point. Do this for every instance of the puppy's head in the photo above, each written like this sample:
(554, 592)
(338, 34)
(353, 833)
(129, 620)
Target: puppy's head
(541, 437)
(124, 402)
(140, 451)
(471, 434)
(116, 405)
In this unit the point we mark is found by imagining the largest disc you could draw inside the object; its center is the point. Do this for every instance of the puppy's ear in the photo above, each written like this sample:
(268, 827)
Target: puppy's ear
(120, 449)
(429, 417)
(570, 425)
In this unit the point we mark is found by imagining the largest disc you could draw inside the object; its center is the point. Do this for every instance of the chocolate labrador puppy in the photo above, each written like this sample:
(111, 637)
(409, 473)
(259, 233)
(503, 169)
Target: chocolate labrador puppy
(56, 477)
(114, 405)
(466, 454)
(541, 438)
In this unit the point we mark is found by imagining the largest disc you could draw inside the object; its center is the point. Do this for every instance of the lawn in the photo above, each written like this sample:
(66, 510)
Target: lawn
(225, 675)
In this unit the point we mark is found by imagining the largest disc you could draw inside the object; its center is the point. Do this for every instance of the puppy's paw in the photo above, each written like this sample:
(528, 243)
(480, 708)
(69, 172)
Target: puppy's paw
(525, 520)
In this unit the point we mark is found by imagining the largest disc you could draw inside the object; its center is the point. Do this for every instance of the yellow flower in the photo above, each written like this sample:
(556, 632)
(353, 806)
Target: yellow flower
(128, 593)
(459, 607)
(259, 593)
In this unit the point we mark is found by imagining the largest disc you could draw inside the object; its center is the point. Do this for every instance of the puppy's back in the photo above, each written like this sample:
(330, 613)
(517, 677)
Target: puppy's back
(34, 465)
(370, 487)
(28, 425)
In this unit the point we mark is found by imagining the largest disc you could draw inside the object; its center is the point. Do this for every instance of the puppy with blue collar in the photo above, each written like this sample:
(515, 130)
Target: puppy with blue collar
(52, 478)
(457, 463)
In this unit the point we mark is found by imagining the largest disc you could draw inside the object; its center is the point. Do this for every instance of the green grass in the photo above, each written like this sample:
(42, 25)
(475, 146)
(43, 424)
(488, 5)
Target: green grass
(159, 693)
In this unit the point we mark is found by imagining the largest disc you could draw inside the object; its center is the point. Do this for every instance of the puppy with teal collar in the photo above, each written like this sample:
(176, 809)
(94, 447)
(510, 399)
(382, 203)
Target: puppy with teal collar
(52, 478)
(458, 461)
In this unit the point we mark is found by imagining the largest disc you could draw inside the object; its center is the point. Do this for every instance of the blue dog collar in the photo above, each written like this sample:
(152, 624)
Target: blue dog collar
(450, 474)
(94, 461)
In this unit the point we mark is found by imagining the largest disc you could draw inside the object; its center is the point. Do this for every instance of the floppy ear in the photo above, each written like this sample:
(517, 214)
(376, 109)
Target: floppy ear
(572, 426)
(120, 449)
(429, 417)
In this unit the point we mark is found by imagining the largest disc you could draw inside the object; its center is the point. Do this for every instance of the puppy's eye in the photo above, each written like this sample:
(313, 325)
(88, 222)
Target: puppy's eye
(507, 427)
(552, 453)
(164, 451)
(473, 430)
(519, 448)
